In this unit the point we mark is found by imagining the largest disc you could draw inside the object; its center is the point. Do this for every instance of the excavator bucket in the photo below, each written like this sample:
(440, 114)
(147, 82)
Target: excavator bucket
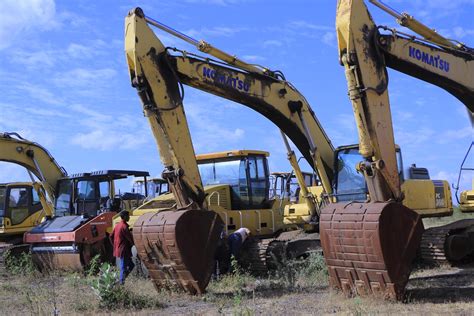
(369, 247)
(177, 247)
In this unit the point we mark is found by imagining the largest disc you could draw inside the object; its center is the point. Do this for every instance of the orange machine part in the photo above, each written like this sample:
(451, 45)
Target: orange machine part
(177, 247)
(369, 247)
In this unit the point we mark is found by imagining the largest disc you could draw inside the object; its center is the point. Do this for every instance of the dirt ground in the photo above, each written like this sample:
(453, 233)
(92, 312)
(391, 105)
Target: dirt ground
(442, 290)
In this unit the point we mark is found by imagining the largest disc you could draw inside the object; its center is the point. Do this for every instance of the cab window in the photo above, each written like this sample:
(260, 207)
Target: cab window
(86, 190)
(18, 205)
(63, 201)
(35, 198)
(104, 188)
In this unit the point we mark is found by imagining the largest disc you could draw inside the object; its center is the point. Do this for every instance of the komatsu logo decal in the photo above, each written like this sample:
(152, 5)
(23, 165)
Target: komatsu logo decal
(427, 58)
(226, 80)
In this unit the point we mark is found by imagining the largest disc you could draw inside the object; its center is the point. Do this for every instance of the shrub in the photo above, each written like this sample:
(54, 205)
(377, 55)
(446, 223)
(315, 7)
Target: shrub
(93, 268)
(112, 295)
(21, 263)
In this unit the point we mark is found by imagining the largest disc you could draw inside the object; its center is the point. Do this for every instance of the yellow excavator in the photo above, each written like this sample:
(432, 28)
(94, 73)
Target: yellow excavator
(176, 235)
(369, 246)
(77, 209)
(24, 205)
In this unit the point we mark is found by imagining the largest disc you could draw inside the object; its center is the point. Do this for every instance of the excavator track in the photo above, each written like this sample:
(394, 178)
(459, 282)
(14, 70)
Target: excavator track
(263, 255)
(177, 247)
(436, 247)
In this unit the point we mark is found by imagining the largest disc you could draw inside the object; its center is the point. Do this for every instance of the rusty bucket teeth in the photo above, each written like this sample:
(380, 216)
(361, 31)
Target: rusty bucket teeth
(177, 247)
(369, 247)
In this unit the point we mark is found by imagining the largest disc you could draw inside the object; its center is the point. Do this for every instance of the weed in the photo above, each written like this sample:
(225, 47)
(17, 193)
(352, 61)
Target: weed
(293, 273)
(93, 267)
(313, 271)
(107, 287)
(112, 295)
(19, 264)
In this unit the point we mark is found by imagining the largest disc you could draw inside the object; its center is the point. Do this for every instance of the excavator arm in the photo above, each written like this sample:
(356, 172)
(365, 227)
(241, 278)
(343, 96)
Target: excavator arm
(158, 73)
(37, 160)
(261, 90)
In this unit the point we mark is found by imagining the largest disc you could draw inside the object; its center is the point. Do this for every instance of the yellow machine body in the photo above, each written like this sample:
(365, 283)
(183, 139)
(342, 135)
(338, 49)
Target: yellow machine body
(279, 214)
(429, 198)
(466, 200)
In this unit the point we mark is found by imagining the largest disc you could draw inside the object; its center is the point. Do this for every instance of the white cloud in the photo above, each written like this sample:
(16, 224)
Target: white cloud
(82, 77)
(310, 26)
(454, 135)
(10, 172)
(465, 182)
(107, 139)
(207, 133)
(40, 93)
(217, 31)
(275, 43)
(413, 137)
(461, 32)
(329, 38)
(80, 51)
(253, 58)
(35, 59)
(215, 2)
(20, 17)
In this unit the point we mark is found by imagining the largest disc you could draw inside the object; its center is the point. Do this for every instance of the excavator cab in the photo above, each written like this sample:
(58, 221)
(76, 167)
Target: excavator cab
(283, 185)
(20, 208)
(427, 197)
(150, 189)
(246, 172)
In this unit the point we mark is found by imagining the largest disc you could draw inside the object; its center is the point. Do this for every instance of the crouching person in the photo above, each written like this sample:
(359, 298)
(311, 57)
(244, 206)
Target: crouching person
(236, 240)
(123, 242)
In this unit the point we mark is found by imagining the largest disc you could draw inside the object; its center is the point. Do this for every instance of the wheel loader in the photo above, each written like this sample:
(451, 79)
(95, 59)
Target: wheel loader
(176, 238)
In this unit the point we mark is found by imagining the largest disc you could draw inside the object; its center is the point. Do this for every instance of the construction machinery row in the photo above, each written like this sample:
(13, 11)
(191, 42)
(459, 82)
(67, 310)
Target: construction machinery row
(363, 212)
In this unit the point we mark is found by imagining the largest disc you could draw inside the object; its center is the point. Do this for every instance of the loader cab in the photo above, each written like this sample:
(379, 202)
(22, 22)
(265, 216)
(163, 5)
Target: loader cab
(349, 184)
(245, 171)
(18, 201)
(92, 193)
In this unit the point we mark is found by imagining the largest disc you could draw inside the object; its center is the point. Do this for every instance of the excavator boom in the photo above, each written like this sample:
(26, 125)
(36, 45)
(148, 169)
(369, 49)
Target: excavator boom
(37, 160)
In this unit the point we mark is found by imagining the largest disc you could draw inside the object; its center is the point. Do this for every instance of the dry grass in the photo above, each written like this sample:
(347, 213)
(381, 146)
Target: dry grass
(443, 290)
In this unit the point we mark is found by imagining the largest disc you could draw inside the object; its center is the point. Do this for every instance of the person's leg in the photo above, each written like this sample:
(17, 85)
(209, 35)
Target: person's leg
(129, 265)
(235, 241)
(122, 267)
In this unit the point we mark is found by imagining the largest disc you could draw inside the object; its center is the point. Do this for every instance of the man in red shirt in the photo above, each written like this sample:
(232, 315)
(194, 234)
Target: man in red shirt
(123, 241)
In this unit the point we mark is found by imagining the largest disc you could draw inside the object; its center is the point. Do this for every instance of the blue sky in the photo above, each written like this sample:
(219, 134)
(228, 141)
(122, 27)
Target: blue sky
(64, 81)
